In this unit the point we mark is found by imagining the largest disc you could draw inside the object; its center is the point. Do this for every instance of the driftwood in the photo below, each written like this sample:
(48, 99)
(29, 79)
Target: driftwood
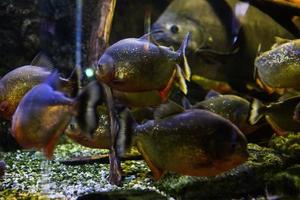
(98, 43)
(101, 159)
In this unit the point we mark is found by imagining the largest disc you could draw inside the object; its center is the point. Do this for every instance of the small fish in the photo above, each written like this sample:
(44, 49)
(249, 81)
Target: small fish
(278, 114)
(101, 135)
(44, 113)
(194, 142)
(15, 84)
(232, 107)
(138, 65)
(225, 36)
(279, 67)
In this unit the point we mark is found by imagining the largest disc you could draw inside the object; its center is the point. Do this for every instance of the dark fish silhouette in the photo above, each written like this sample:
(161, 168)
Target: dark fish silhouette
(232, 107)
(278, 114)
(226, 35)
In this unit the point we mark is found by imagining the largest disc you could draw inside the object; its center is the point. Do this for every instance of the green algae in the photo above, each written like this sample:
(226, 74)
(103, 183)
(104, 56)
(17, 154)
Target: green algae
(289, 145)
(25, 176)
(248, 179)
(267, 170)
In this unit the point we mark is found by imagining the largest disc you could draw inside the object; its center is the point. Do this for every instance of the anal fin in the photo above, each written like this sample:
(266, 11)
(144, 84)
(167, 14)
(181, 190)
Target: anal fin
(269, 89)
(279, 131)
(157, 173)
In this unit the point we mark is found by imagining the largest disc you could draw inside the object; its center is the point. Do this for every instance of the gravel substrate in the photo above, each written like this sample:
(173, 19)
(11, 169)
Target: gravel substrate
(28, 174)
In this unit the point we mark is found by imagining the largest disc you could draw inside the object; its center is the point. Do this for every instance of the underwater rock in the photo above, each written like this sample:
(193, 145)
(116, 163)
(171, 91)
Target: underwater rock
(261, 172)
(286, 183)
(289, 145)
(247, 179)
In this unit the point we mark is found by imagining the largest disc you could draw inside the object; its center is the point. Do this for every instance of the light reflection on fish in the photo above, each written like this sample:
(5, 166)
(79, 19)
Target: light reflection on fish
(280, 66)
(138, 65)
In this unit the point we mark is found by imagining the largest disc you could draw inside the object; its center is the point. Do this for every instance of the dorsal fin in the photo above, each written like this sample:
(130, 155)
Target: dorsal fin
(186, 103)
(280, 40)
(42, 60)
(148, 37)
(212, 94)
(167, 109)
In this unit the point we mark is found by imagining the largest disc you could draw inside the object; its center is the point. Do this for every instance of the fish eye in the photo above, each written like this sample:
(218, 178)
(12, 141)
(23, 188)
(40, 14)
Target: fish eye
(72, 126)
(174, 29)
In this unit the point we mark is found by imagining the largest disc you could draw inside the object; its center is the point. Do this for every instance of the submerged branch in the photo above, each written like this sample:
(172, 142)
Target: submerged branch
(101, 30)
(98, 42)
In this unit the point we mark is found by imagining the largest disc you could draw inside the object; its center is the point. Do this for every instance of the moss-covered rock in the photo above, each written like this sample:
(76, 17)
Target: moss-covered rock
(29, 174)
(288, 145)
(247, 179)
(286, 183)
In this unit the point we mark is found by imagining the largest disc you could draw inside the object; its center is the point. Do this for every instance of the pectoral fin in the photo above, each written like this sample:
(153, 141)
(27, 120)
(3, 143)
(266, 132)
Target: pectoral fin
(49, 148)
(165, 92)
(167, 109)
(269, 89)
(279, 131)
(212, 94)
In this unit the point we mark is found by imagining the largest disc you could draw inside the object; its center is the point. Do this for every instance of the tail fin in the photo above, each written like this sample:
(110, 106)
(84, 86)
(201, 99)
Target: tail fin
(127, 125)
(256, 111)
(87, 117)
(182, 51)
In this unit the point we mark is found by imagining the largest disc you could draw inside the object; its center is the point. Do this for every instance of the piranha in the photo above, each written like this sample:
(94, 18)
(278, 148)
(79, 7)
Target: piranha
(280, 66)
(15, 84)
(44, 113)
(278, 114)
(194, 142)
(139, 65)
(226, 35)
(232, 107)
